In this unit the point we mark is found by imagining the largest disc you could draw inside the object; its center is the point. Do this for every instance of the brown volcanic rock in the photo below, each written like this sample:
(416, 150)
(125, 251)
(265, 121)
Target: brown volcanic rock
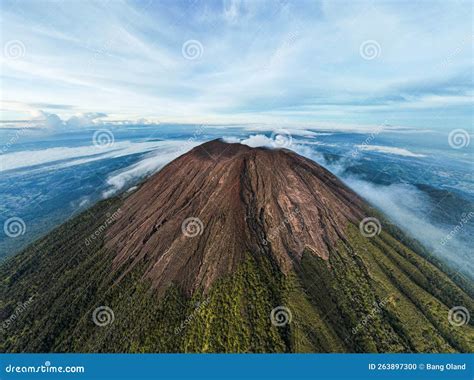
(257, 200)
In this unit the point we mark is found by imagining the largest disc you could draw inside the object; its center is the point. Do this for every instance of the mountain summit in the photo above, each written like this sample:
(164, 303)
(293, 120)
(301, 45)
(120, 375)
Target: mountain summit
(233, 249)
(194, 221)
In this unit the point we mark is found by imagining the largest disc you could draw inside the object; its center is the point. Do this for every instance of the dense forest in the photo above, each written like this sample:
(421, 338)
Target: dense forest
(372, 295)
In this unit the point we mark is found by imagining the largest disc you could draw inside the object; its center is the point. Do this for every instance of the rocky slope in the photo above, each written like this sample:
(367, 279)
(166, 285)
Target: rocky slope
(239, 199)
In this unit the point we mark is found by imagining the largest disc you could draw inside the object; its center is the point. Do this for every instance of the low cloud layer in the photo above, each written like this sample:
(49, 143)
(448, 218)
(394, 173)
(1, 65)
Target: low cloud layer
(61, 157)
(406, 206)
(389, 150)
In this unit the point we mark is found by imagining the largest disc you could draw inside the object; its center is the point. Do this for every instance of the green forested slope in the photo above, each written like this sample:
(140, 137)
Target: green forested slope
(372, 295)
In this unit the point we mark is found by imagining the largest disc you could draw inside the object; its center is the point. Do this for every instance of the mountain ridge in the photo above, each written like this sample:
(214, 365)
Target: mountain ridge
(237, 196)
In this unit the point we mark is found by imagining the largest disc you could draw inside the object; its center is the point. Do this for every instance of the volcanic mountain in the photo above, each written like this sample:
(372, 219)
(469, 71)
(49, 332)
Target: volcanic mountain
(233, 249)
(272, 203)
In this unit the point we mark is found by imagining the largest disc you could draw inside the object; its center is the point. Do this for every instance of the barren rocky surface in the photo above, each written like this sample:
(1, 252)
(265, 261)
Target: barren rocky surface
(264, 201)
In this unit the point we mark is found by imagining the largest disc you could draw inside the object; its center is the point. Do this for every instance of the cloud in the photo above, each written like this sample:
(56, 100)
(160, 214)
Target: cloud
(258, 140)
(404, 204)
(231, 10)
(66, 156)
(46, 120)
(315, 128)
(52, 121)
(85, 119)
(154, 161)
(295, 131)
(51, 106)
(262, 61)
(407, 206)
(389, 150)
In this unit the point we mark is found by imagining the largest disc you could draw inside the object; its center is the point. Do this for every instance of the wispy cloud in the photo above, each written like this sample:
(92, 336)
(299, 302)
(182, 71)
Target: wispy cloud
(390, 150)
(260, 61)
(59, 157)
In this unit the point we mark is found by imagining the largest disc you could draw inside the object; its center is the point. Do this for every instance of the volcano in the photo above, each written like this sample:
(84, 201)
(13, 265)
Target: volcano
(230, 248)
(273, 203)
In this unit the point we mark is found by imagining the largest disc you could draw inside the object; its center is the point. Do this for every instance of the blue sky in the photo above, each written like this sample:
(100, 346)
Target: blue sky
(284, 62)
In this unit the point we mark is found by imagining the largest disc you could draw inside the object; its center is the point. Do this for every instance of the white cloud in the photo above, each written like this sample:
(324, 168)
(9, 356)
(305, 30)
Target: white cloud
(154, 161)
(231, 140)
(46, 120)
(130, 65)
(390, 150)
(258, 140)
(406, 206)
(60, 157)
(85, 119)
